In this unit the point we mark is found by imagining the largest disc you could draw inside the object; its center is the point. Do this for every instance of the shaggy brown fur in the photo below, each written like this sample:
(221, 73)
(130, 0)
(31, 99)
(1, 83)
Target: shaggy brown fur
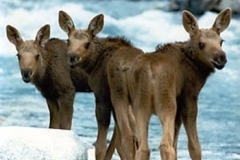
(167, 83)
(43, 62)
(106, 61)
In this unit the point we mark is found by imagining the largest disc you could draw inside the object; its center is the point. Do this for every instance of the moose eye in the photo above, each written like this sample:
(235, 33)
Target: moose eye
(221, 42)
(87, 45)
(37, 56)
(68, 42)
(18, 56)
(201, 45)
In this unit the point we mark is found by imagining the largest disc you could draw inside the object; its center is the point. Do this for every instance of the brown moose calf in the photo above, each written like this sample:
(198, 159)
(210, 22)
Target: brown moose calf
(106, 61)
(167, 83)
(43, 62)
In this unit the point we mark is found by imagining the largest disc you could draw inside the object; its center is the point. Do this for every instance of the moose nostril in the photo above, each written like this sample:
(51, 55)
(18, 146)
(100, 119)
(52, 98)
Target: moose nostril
(223, 58)
(220, 59)
(72, 59)
(26, 75)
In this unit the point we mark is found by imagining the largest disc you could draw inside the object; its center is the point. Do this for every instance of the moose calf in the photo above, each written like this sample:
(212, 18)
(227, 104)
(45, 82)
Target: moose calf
(106, 61)
(43, 62)
(167, 83)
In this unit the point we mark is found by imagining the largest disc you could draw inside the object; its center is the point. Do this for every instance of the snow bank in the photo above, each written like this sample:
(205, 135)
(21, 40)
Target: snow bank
(18, 143)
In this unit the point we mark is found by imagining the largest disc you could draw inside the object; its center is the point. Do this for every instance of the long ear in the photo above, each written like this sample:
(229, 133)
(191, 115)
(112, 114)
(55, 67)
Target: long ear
(96, 24)
(43, 35)
(189, 22)
(222, 21)
(65, 22)
(13, 35)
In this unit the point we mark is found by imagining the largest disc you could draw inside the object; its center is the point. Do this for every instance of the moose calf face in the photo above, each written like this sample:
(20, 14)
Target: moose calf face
(206, 44)
(78, 46)
(29, 52)
(80, 41)
(207, 48)
(28, 57)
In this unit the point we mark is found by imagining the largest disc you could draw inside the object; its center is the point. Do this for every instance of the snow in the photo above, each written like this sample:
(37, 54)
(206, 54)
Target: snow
(18, 143)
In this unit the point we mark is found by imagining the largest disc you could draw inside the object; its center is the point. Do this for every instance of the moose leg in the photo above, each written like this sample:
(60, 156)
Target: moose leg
(166, 112)
(142, 120)
(103, 114)
(66, 110)
(178, 123)
(54, 114)
(189, 121)
(127, 149)
(112, 145)
(120, 101)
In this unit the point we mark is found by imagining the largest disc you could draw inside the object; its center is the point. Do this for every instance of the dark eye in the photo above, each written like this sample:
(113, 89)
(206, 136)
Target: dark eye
(68, 42)
(37, 56)
(221, 42)
(201, 45)
(18, 56)
(87, 45)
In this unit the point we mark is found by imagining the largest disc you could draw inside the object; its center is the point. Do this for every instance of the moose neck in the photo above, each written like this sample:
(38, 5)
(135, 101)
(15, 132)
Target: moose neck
(94, 54)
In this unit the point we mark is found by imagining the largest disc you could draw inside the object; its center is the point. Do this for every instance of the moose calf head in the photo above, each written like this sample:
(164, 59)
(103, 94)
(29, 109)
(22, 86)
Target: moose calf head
(29, 52)
(206, 44)
(79, 40)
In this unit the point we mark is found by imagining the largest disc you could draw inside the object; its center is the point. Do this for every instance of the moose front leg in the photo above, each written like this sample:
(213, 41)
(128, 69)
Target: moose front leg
(66, 110)
(103, 114)
(54, 114)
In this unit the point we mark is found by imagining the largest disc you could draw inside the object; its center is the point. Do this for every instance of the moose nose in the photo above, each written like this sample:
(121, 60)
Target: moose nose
(220, 61)
(26, 75)
(73, 59)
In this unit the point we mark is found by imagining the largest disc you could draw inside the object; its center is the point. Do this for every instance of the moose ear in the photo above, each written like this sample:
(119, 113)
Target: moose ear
(43, 35)
(222, 21)
(189, 22)
(13, 35)
(96, 24)
(65, 22)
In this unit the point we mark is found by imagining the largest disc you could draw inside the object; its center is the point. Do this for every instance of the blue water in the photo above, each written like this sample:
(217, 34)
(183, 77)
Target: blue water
(219, 102)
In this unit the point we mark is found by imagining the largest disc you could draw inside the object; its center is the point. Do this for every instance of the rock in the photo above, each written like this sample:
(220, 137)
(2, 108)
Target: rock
(18, 143)
(196, 7)
(233, 4)
(199, 7)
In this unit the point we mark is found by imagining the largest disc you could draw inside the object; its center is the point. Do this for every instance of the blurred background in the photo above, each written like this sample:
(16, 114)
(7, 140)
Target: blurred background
(146, 23)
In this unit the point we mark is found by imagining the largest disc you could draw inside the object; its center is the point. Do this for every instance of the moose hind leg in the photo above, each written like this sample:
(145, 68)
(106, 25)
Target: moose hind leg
(127, 149)
(166, 113)
(142, 121)
(189, 121)
(178, 123)
(112, 145)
